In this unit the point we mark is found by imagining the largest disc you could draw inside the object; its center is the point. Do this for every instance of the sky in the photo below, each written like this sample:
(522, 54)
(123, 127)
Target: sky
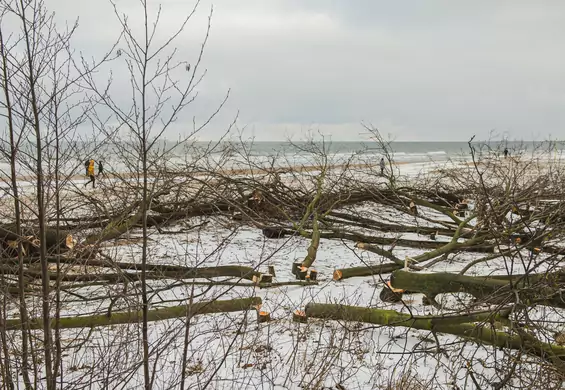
(416, 70)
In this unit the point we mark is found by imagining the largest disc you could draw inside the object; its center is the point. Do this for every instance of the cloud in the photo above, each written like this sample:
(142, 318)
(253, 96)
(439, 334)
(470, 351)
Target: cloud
(436, 70)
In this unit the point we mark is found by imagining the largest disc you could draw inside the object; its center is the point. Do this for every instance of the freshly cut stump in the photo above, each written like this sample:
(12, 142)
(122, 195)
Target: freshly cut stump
(338, 275)
(272, 271)
(266, 278)
(263, 316)
(390, 294)
(301, 274)
(299, 316)
(312, 275)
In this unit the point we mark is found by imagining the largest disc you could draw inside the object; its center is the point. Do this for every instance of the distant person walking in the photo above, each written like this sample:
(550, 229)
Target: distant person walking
(382, 165)
(506, 152)
(100, 168)
(90, 173)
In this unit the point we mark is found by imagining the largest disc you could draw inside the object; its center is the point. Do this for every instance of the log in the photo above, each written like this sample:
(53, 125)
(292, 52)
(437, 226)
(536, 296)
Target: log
(433, 284)
(263, 316)
(470, 326)
(214, 283)
(181, 272)
(266, 278)
(424, 244)
(390, 294)
(354, 220)
(271, 269)
(54, 239)
(164, 270)
(154, 271)
(115, 318)
(132, 277)
(177, 272)
(542, 289)
(301, 273)
(115, 228)
(188, 210)
(345, 273)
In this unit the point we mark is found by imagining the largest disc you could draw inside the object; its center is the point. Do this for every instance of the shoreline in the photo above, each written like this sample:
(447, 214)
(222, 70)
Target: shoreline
(234, 171)
(128, 176)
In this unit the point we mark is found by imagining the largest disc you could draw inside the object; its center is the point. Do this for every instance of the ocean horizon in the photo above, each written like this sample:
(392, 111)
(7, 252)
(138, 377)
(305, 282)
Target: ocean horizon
(243, 155)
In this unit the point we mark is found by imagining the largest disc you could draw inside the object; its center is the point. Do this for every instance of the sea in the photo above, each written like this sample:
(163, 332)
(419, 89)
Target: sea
(122, 157)
(307, 153)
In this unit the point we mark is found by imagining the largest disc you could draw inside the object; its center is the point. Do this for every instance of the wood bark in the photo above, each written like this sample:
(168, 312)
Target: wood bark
(155, 270)
(542, 289)
(314, 244)
(133, 317)
(473, 326)
(115, 228)
(344, 273)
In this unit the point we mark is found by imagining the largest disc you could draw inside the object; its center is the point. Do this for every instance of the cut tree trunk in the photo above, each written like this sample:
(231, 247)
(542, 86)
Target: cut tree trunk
(471, 326)
(424, 244)
(542, 289)
(53, 238)
(345, 273)
(157, 270)
(133, 317)
(115, 228)
(444, 282)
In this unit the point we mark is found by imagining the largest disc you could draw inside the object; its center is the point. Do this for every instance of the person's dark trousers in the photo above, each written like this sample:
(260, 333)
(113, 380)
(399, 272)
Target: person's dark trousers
(92, 180)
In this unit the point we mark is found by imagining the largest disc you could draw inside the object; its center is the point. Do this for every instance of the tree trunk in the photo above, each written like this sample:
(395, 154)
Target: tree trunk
(314, 244)
(345, 273)
(542, 289)
(444, 282)
(115, 228)
(424, 244)
(134, 317)
(473, 326)
(164, 270)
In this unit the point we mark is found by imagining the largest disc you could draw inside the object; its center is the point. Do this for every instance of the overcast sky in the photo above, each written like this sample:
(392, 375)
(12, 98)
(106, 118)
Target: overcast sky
(420, 70)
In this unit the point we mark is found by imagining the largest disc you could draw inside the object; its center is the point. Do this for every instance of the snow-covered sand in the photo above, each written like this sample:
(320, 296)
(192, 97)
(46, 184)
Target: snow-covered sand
(232, 350)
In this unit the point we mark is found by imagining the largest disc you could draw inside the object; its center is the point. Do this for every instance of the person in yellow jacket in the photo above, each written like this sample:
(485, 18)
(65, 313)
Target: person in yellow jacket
(90, 173)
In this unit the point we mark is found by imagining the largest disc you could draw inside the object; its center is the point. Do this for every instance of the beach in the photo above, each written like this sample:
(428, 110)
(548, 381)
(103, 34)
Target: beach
(233, 347)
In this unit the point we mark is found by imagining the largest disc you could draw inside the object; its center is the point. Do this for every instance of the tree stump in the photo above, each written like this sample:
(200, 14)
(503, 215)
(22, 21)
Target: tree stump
(299, 316)
(272, 271)
(273, 233)
(296, 266)
(263, 316)
(312, 275)
(390, 294)
(301, 273)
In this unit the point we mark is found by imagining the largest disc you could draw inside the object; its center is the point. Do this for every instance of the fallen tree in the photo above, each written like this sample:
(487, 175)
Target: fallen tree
(476, 327)
(344, 273)
(542, 289)
(181, 311)
(161, 270)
